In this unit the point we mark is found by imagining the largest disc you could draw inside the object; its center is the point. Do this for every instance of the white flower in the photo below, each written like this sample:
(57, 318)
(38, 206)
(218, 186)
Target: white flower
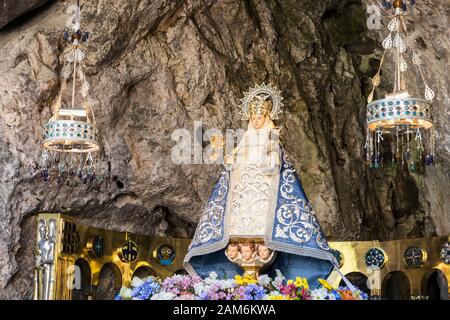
(274, 293)
(279, 278)
(163, 295)
(125, 293)
(263, 280)
(199, 288)
(136, 282)
(212, 278)
(319, 294)
(213, 275)
(227, 284)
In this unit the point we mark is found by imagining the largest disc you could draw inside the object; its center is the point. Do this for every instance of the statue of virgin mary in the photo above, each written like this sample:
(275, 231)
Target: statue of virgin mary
(258, 216)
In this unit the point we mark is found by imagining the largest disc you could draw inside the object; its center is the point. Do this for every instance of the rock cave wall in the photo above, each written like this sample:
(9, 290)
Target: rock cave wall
(155, 66)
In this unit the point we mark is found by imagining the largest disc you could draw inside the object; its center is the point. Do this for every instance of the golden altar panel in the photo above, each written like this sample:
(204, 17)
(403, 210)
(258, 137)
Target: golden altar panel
(84, 251)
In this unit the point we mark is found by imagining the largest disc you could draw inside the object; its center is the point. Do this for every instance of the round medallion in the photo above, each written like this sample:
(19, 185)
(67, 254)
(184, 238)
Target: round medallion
(165, 255)
(445, 253)
(415, 257)
(97, 249)
(375, 258)
(339, 257)
(129, 251)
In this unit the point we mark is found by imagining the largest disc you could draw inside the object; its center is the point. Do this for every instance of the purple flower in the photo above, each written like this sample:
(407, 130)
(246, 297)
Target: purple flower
(254, 292)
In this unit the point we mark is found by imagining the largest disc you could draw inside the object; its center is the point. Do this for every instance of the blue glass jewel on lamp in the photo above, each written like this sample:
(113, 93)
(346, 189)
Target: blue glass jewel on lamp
(394, 161)
(408, 155)
(376, 165)
(427, 160)
(85, 37)
(45, 174)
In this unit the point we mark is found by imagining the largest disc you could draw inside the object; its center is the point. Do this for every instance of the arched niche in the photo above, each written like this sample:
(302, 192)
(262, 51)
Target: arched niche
(82, 288)
(181, 271)
(143, 272)
(396, 286)
(109, 282)
(358, 279)
(434, 285)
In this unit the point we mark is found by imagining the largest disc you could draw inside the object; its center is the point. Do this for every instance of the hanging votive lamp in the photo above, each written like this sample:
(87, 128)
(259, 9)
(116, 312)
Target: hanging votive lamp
(406, 118)
(71, 136)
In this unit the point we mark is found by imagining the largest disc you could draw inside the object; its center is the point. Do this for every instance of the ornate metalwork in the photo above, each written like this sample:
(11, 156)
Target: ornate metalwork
(445, 253)
(415, 257)
(96, 246)
(354, 252)
(260, 94)
(71, 134)
(45, 259)
(375, 258)
(71, 238)
(408, 119)
(129, 251)
(165, 255)
(389, 112)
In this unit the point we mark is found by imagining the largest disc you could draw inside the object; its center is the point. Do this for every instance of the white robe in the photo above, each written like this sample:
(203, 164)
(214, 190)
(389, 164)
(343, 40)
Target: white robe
(253, 184)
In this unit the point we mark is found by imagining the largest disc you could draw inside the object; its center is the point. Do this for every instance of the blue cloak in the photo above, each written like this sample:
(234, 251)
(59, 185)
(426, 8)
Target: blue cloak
(294, 233)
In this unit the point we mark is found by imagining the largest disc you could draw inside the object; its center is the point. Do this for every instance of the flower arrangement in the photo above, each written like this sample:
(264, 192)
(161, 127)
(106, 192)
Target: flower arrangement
(184, 287)
(140, 289)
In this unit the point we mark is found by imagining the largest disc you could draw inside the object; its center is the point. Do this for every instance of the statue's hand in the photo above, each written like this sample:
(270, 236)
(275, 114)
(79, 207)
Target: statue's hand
(217, 142)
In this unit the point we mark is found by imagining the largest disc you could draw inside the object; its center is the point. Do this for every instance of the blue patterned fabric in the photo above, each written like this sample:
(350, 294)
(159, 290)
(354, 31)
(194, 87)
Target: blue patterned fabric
(293, 231)
(295, 226)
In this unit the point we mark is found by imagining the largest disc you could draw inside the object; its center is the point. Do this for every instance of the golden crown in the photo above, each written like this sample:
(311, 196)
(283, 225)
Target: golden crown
(260, 107)
(262, 99)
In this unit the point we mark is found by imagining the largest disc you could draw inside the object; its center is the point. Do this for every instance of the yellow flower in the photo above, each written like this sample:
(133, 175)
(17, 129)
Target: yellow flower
(290, 282)
(245, 280)
(278, 297)
(301, 283)
(249, 280)
(305, 283)
(239, 279)
(325, 284)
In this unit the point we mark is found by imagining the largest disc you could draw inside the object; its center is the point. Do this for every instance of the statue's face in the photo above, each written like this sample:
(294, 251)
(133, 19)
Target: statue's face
(263, 252)
(42, 231)
(258, 120)
(247, 252)
(232, 251)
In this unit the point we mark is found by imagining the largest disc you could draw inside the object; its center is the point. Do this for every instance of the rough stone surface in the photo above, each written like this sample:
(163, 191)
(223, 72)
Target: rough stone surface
(11, 9)
(155, 66)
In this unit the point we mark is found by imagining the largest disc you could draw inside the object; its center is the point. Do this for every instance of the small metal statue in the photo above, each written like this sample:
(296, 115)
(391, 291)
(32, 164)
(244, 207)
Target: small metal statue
(44, 277)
